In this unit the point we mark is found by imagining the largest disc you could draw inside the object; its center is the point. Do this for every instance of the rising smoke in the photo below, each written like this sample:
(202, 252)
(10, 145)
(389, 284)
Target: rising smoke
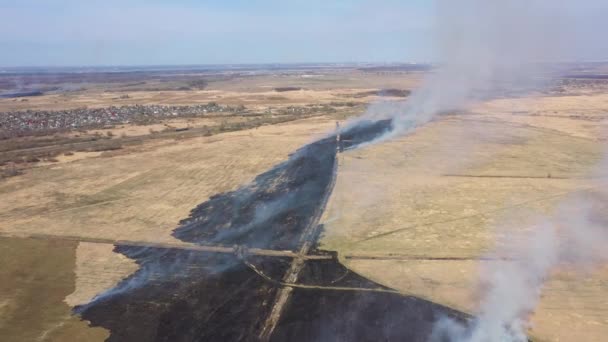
(576, 236)
(503, 48)
(488, 49)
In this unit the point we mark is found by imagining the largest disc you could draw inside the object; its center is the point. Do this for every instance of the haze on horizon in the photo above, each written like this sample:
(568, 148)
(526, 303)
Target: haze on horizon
(163, 32)
(137, 32)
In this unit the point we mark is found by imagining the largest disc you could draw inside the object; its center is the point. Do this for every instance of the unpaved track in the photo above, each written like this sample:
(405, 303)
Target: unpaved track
(179, 246)
(306, 241)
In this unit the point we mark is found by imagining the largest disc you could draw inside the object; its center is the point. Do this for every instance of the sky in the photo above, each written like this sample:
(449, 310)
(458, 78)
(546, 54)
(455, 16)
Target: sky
(163, 32)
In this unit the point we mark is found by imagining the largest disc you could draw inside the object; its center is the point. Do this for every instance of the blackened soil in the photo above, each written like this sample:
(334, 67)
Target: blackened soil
(330, 273)
(179, 295)
(325, 315)
(21, 94)
(341, 314)
(272, 211)
(187, 296)
(364, 132)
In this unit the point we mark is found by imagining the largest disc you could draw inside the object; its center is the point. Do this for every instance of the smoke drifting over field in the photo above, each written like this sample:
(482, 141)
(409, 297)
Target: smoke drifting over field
(489, 49)
(575, 236)
(495, 48)
(486, 49)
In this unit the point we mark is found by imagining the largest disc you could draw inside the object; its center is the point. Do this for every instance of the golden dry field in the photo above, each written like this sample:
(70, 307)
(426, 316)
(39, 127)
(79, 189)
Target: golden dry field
(415, 213)
(256, 91)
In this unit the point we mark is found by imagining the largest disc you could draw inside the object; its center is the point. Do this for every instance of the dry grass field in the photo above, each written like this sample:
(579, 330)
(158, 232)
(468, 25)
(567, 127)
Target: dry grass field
(443, 191)
(256, 91)
(138, 195)
(447, 190)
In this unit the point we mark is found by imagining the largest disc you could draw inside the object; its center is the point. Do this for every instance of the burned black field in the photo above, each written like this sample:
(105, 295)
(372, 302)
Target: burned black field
(303, 294)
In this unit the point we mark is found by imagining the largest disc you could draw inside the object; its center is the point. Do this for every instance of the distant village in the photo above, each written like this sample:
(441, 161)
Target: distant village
(42, 122)
(32, 121)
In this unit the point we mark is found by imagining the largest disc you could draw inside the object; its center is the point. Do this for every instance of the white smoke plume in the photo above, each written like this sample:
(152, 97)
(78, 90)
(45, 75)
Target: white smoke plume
(489, 49)
(496, 48)
(575, 236)
(486, 47)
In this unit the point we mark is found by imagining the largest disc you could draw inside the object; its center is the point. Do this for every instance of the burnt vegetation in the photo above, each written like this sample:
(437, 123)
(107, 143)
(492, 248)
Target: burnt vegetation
(179, 295)
(389, 92)
(199, 84)
(285, 89)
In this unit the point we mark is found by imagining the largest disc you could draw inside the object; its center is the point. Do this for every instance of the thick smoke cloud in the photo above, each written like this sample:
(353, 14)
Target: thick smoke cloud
(504, 48)
(576, 235)
(496, 48)
(487, 49)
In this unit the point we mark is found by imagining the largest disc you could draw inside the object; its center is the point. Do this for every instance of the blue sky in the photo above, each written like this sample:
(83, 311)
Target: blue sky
(137, 32)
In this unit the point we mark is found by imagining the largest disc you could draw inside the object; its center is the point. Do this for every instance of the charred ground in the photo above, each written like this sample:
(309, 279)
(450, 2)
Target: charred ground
(179, 295)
